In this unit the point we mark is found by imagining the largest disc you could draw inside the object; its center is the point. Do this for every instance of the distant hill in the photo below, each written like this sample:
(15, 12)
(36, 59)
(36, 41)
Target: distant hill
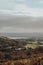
(27, 35)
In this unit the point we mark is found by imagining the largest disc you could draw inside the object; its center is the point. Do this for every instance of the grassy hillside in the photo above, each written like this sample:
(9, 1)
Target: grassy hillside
(19, 52)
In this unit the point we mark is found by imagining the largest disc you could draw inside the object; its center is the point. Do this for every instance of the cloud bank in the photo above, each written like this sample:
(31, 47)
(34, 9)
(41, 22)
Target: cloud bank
(12, 24)
(19, 16)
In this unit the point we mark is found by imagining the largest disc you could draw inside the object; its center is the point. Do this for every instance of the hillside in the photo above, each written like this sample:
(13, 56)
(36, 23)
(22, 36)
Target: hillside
(20, 51)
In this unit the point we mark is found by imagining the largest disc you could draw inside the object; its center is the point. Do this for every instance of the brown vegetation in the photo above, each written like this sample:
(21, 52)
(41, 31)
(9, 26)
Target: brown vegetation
(15, 52)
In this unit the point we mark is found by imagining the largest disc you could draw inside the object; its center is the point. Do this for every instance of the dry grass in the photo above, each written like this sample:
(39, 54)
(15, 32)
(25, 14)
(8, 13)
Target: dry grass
(33, 46)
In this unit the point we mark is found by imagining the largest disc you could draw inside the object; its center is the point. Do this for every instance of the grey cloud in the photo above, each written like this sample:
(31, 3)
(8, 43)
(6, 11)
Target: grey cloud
(22, 22)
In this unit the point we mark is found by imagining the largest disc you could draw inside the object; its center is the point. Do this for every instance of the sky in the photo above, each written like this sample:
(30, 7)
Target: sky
(21, 16)
(22, 7)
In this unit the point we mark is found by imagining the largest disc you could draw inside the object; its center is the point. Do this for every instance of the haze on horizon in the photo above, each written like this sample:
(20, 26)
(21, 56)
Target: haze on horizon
(21, 16)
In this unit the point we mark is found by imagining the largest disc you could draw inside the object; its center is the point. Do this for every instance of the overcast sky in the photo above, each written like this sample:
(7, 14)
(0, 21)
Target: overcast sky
(21, 16)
